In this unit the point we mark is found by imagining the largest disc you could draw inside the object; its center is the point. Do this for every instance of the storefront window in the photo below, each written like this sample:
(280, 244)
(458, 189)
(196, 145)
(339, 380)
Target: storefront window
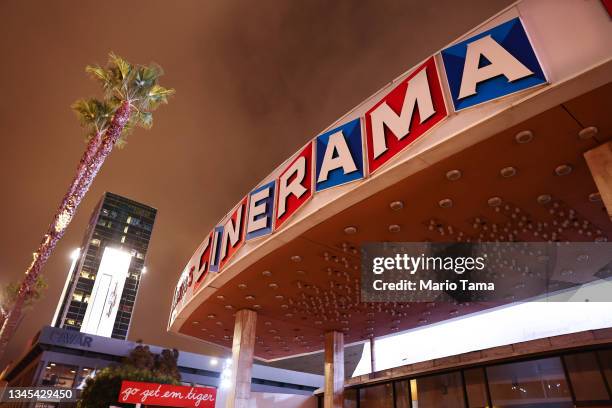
(443, 390)
(605, 357)
(476, 388)
(376, 396)
(59, 375)
(537, 384)
(350, 398)
(84, 373)
(586, 378)
(402, 394)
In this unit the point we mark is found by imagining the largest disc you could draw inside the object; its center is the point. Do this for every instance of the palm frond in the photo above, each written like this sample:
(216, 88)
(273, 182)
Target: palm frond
(123, 82)
(122, 65)
(94, 114)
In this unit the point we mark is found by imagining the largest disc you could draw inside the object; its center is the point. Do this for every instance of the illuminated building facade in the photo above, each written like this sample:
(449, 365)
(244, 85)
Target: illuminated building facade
(502, 136)
(102, 285)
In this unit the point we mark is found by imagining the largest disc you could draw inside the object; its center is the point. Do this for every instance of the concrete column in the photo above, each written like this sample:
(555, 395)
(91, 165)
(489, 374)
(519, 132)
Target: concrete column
(372, 355)
(334, 370)
(599, 161)
(242, 359)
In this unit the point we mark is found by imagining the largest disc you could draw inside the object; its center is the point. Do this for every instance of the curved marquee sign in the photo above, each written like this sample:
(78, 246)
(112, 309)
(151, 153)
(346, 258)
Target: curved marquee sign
(487, 66)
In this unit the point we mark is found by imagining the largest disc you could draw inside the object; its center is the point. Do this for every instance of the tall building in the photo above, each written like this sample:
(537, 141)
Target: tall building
(102, 284)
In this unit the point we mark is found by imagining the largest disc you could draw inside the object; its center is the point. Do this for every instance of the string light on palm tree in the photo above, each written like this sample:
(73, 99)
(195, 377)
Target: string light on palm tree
(131, 94)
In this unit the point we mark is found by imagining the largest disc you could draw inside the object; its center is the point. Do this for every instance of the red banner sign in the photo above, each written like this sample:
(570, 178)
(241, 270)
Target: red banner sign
(167, 395)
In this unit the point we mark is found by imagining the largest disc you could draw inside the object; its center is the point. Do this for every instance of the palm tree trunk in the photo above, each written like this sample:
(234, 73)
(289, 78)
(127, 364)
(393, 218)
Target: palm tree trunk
(90, 164)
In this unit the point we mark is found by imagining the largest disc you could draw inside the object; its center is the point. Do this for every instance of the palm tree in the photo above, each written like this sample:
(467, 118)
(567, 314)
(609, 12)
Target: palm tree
(131, 94)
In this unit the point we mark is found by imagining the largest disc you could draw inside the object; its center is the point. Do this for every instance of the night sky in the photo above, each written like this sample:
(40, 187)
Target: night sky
(254, 81)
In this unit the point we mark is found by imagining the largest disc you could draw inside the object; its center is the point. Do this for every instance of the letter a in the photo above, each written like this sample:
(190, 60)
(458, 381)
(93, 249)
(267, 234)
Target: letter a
(501, 63)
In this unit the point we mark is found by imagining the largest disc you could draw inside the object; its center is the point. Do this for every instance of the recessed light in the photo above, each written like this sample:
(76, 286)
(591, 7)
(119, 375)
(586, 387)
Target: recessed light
(508, 172)
(544, 199)
(257, 307)
(396, 205)
(296, 258)
(494, 201)
(221, 297)
(588, 132)
(525, 136)
(394, 228)
(594, 197)
(249, 297)
(453, 175)
(212, 316)
(445, 203)
(242, 286)
(350, 230)
(266, 273)
(229, 307)
(195, 322)
(273, 286)
(563, 170)
(279, 297)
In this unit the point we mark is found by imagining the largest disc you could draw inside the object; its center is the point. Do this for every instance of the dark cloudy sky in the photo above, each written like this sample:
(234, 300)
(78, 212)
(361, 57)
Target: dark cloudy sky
(254, 79)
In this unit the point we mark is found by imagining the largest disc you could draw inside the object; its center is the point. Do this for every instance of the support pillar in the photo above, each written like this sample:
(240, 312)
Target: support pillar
(372, 356)
(334, 370)
(599, 161)
(242, 359)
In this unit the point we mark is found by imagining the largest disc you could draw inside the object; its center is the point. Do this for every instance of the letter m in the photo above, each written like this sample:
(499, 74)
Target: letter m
(405, 113)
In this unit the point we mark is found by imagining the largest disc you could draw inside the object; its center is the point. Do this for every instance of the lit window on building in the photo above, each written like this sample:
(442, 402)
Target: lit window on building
(83, 375)
(59, 375)
(528, 382)
(95, 242)
(79, 296)
(87, 275)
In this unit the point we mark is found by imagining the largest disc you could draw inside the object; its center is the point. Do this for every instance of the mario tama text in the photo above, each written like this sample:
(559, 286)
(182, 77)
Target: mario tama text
(473, 272)
(422, 265)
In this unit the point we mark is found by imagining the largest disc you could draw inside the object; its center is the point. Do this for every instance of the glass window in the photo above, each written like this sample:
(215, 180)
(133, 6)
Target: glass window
(350, 398)
(537, 383)
(84, 374)
(587, 380)
(476, 388)
(376, 396)
(402, 394)
(443, 390)
(59, 375)
(605, 357)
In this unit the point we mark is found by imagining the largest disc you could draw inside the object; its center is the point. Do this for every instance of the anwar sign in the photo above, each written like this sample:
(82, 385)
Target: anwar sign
(165, 395)
(489, 65)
